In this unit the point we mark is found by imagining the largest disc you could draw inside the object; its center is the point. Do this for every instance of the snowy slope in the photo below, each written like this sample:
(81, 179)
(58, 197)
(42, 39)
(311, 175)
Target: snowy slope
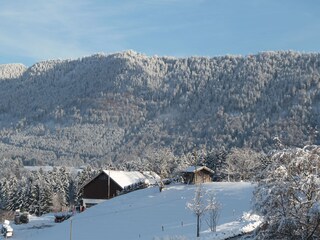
(148, 214)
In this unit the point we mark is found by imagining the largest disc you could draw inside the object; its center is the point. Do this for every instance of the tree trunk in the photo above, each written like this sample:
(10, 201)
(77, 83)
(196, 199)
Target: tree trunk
(198, 226)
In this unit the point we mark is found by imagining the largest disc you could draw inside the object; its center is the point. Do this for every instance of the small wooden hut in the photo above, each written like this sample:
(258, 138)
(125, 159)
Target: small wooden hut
(197, 174)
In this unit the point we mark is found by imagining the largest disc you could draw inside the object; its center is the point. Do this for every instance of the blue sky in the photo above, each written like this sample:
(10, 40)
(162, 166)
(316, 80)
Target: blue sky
(36, 30)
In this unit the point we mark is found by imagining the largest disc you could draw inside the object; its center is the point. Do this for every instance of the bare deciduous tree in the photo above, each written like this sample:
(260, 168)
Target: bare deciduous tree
(242, 164)
(213, 210)
(197, 205)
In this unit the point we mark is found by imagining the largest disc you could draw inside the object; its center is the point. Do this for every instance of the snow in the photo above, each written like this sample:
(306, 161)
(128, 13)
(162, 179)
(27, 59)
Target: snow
(152, 177)
(11, 71)
(51, 168)
(192, 169)
(124, 178)
(150, 214)
(36, 224)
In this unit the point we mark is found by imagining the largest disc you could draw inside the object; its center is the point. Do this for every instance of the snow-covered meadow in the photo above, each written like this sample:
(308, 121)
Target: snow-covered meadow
(149, 214)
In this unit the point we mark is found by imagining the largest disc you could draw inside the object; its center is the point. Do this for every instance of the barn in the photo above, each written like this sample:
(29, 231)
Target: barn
(110, 183)
(197, 174)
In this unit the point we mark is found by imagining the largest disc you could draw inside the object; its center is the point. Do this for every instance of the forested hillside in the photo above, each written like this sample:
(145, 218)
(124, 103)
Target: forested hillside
(120, 107)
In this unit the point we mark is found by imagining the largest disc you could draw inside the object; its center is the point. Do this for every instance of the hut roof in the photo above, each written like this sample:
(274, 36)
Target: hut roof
(124, 179)
(193, 169)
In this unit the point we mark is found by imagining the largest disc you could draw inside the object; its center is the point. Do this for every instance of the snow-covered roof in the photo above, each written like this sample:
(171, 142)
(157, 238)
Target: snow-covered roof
(124, 179)
(192, 169)
(152, 177)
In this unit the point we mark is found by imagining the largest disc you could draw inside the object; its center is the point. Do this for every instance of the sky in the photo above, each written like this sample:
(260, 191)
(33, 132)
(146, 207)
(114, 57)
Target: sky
(37, 30)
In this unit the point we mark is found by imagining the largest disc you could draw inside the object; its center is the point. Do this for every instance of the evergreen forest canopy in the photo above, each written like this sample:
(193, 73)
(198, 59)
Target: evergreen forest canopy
(119, 108)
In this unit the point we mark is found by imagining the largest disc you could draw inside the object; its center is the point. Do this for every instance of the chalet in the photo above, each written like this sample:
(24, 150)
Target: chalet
(110, 183)
(197, 174)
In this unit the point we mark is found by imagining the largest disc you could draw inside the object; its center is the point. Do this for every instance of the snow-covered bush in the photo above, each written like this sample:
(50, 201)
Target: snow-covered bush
(289, 196)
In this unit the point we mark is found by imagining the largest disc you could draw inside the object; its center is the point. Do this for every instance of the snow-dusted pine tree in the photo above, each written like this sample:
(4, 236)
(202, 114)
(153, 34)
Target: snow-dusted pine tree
(18, 199)
(81, 178)
(38, 194)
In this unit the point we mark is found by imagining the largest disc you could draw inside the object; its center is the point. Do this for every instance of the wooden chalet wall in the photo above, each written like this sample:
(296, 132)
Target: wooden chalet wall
(200, 176)
(98, 188)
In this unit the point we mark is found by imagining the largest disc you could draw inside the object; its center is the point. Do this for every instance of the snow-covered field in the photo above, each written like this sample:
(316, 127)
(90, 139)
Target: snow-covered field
(149, 214)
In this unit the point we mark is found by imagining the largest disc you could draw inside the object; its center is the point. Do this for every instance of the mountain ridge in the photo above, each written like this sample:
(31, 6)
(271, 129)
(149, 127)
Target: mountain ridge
(117, 107)
(11, 70)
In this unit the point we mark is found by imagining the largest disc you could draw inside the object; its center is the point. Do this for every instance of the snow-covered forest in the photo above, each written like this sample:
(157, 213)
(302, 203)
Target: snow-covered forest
(118, 108)
(39, 192)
